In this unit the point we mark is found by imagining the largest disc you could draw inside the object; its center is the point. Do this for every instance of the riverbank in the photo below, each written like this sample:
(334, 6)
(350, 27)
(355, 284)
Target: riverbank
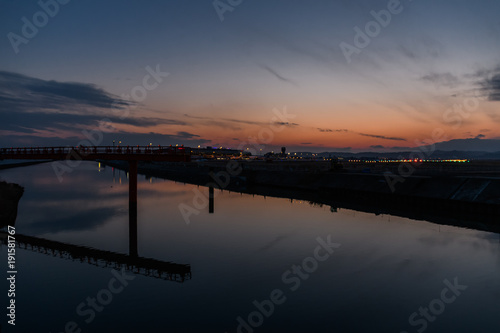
(455, 199)
(10, 194)
(18, 164)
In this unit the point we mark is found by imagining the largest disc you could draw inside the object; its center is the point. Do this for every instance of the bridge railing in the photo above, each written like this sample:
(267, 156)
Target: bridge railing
(129, 150)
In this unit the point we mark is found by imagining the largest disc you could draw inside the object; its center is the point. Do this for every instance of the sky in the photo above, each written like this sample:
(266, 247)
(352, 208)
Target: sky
(315, 75)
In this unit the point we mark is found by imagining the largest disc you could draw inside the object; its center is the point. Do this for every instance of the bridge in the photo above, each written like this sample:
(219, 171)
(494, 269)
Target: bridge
(131, 262)
(106, 259)
(132, 154)
(92, 153)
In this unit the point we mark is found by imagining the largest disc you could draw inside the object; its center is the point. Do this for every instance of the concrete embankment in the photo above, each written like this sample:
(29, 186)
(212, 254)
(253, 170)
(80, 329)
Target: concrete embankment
(10, 194)
(468, 189)
(461, 201)
(462, 188)
(476, 197)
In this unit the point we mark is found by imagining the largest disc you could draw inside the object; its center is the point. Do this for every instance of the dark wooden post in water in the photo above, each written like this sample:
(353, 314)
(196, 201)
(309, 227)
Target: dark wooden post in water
(132, 208)
(211, 200)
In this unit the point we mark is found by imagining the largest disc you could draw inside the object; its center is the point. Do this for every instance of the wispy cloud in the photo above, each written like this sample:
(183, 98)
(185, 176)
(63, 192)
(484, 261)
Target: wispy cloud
(328, 130)
(287, 124)
(222, 122)
(442, 79)
(277, 75)
(382, 137)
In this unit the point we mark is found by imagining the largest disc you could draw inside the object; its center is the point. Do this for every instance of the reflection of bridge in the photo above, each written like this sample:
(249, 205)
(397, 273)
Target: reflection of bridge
(143, 266)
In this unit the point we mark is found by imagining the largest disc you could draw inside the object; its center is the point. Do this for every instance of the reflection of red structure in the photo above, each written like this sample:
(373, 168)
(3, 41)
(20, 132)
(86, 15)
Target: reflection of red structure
(106, 259)
(123, 153)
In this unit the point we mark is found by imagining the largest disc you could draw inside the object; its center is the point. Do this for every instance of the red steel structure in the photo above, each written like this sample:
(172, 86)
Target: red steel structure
(92, 153)
(132, 154)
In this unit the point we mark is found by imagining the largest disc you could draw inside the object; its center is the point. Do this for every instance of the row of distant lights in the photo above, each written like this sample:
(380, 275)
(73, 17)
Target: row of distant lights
(177, 145)
(409, 161)
(294, 154)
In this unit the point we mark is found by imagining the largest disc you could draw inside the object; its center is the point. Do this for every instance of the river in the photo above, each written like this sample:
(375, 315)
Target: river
(258, 264)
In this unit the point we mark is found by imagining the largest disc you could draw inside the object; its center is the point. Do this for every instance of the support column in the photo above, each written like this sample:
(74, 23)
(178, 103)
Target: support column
(132, 208)
(211, 200)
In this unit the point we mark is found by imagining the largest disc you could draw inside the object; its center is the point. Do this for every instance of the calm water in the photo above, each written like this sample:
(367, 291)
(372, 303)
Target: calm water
(381, 272)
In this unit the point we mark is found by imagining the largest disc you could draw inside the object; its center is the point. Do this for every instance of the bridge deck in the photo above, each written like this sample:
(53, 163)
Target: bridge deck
(127, 153)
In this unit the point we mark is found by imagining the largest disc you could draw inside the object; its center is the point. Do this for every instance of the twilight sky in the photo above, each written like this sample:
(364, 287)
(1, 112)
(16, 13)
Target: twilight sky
(425, 71)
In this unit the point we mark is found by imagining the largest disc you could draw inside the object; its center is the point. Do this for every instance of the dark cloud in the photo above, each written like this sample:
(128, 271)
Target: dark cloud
(306, 143)
(280, 123)
(20, 93)
(27, 122)
(156, 138)
(186, 135)
(492, 87)
(332, 130)
(480, 136)
(483, 73)
(382, 137)
(29, 106)
(127, 138)
(377, 147)
(248, 122)
(489, 82)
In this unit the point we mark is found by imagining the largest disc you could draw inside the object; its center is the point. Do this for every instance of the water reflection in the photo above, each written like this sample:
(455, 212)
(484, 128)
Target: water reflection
(386, 268)
(105, 259)
(77, 220)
